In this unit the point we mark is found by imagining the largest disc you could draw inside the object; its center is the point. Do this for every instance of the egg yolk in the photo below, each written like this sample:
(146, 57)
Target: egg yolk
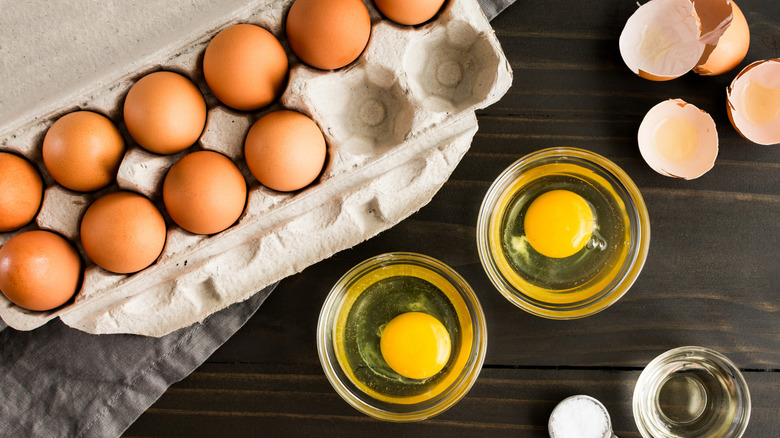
(559, 223)
(415, 345)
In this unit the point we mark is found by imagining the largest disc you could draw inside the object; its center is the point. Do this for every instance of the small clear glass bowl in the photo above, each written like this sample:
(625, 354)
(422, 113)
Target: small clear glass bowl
(691, 392)
(598, 274)
(390, 396)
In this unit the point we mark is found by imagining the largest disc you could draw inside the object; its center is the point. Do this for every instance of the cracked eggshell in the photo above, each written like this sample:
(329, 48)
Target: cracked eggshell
(754, 102)
(678, 140)
(730, 49)
(664, 39)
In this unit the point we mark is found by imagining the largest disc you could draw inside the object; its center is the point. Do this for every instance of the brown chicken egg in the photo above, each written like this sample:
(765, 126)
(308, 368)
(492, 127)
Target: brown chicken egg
(245, 67)
(204, 192)
(285, 150)
(164, 112)
(123, 232)
(82, 151)
(39, 270)
(410, 12)
(21, 192)
(328, 34)
(754, 102)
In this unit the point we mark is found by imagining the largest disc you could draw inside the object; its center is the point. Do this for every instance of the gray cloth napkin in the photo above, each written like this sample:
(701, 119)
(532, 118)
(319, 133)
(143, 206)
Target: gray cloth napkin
(491, 8)
(56, 381)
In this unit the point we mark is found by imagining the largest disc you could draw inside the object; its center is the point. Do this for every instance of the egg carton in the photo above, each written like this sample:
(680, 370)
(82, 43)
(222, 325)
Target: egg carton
(397, 121)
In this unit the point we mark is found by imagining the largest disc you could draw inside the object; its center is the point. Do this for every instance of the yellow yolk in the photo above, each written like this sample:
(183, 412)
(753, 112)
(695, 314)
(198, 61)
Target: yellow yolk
(558, 223)
(676, 139)
(415, 345)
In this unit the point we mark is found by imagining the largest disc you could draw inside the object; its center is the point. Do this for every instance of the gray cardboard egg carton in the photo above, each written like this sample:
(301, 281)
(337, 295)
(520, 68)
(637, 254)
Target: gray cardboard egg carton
(397, 121)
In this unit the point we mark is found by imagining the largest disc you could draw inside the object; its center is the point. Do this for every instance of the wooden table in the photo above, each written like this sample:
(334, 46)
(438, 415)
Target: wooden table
(712, 277)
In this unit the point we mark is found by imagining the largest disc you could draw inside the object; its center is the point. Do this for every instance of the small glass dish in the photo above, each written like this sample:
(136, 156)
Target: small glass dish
(359, 307)
(691, 392)
(593, 276)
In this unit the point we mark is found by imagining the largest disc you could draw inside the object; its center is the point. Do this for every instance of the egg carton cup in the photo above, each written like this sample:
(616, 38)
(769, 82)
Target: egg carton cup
(397, 121)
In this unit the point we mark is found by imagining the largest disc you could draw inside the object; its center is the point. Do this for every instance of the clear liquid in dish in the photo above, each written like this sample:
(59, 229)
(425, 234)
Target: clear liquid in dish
(696, 401)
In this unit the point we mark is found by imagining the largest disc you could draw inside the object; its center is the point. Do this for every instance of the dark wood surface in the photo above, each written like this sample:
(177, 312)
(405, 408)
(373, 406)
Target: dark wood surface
(712, 277)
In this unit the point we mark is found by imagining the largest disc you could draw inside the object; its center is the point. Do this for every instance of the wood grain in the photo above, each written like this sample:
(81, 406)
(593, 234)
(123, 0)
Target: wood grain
(712, 277)
(243, 400)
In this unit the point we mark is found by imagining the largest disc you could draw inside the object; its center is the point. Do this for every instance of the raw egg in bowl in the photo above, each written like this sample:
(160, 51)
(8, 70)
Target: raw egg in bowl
(563, 233)
(401, 337)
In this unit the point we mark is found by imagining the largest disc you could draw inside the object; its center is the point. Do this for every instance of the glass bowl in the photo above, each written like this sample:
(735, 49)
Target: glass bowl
(691, 392)
(596, 275)
(359, 307)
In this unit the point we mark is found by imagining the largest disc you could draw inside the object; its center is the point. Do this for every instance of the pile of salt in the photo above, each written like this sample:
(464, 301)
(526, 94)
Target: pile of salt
(580, 416)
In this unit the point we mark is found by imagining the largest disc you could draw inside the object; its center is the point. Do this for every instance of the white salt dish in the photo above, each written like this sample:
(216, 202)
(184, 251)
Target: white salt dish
(397, 121)
(580, 416)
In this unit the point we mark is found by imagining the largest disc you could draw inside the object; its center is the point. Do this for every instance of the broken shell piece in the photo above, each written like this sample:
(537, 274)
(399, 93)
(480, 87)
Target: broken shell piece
(754, 102)
(730, 49)
(714, 17)
(677, 139)
(664, 39)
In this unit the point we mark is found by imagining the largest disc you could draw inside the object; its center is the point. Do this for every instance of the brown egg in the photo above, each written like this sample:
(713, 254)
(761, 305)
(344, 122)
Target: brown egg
(285, 150)
(204, 192)
(82, 151)
(328, 34)
(410, 12)
(123, 232)
(164, 112)
(245, 67)
(21, 191)
(39, 270)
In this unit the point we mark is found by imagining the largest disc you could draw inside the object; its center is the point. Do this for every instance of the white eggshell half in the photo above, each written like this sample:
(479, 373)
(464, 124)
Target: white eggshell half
(660, 40)
(754, 102)
(677, 139)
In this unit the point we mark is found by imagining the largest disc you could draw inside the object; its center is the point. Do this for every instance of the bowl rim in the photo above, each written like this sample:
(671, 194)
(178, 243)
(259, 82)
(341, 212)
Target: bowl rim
(364, 402)
(653, 374)
(639, 221)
